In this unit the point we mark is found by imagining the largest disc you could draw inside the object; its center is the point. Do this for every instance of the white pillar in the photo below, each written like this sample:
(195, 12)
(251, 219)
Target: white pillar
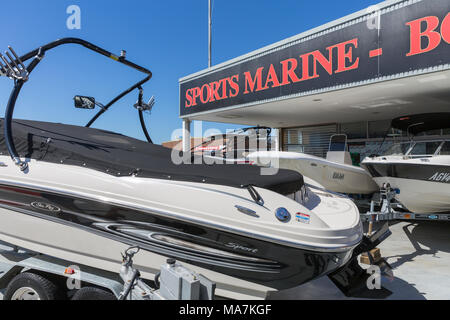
(277, 139)
(186, 135)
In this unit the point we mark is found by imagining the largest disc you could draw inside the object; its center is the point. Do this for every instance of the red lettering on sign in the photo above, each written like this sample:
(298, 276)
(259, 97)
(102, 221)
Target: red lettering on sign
(327, 64)
(305, 67)
(425, 35)
(233, 81)
(344, 55)
(188, 101)
(208, 93)
(445, 28)
(288, 71)
(223, 83)
(272, 77)
(375, 52)
(195, 95)
(416, 35)
(214, 91)
(251, 82)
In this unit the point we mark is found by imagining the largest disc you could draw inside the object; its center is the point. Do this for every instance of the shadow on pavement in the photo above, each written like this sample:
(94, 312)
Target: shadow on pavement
(435, 235)
(324, 289)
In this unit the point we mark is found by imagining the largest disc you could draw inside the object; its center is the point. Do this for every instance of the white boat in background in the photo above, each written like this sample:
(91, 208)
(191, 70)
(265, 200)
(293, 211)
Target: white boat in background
(233, 147)
(335, 173)
(419, 169)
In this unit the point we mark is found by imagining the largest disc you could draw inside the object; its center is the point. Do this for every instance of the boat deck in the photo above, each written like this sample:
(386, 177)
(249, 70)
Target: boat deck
(418, 251)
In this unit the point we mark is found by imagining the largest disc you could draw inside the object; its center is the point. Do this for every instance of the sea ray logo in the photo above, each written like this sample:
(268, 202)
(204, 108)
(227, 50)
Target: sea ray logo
(440, 177)
(45, 206)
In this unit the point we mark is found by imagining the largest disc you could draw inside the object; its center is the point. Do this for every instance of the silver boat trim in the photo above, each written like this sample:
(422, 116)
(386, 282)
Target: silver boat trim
(167, 214)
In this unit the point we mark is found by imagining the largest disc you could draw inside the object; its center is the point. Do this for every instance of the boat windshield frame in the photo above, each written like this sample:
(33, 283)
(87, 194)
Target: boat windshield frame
(413, 143)
(436, 152)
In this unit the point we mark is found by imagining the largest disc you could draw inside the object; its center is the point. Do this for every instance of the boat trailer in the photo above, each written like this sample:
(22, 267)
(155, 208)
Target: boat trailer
(27, 275)
(390, 209)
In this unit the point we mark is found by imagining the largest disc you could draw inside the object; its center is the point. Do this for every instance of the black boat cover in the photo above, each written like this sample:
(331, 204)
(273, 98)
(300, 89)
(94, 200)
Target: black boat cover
(418, 123)
(120, 155)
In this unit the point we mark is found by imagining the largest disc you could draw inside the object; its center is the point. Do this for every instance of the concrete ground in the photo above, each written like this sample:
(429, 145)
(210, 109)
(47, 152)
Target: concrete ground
(419, 253)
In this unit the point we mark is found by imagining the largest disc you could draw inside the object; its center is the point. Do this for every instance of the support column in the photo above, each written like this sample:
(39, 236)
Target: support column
(186, 135)
(277, 139)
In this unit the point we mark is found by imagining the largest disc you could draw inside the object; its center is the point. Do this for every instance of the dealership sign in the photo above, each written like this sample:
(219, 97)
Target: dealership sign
(404, 39)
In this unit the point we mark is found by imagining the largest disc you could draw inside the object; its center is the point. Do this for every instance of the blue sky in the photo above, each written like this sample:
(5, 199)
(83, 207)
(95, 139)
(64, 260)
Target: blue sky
(168, 37)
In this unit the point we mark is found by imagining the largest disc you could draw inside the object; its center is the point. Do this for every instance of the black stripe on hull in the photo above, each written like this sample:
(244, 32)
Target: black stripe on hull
(424, 172)
(249, 259)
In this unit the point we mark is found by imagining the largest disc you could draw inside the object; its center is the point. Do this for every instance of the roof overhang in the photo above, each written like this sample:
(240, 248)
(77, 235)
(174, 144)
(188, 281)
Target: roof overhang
(383, 62)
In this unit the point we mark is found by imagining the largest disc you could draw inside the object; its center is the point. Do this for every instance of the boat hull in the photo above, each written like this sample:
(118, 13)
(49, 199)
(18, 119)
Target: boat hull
(94, 226)
(423, 187)
(73, 235)
(332, 176)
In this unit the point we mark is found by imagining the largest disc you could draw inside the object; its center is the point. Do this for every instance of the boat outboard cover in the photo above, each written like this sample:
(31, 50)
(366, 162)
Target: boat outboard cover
(120, 155)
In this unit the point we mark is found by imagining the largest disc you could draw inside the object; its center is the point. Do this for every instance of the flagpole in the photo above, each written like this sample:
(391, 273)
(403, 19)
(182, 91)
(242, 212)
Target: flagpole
(209, 33)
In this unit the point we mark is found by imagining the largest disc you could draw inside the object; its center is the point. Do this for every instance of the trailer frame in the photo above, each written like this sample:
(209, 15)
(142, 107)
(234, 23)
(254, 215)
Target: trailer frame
(390, 210)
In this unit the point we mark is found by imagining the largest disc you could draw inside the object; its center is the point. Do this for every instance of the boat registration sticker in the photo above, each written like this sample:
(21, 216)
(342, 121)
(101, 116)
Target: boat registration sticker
(302, 217)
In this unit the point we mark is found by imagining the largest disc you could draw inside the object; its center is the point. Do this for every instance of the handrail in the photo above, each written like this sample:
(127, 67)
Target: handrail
(38, 55)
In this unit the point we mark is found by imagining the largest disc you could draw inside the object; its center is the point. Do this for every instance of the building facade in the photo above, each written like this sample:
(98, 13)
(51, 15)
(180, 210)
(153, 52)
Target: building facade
(351, 76)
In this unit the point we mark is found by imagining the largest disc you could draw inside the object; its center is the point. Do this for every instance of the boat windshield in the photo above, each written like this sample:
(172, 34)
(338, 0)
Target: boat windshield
(338, 142)
(419, 148)
(424, 148)
(398, 149)
(445, 149)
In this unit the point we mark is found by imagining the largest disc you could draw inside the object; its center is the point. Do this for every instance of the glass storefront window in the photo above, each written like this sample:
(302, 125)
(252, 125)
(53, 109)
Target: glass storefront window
(355, 130)
(379, 129)
(437, 132)
(294, 148)
(294, 137)
(309, 140)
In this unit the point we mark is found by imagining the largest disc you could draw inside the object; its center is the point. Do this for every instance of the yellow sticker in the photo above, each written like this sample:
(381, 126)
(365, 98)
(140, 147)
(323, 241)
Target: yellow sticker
(114, 57)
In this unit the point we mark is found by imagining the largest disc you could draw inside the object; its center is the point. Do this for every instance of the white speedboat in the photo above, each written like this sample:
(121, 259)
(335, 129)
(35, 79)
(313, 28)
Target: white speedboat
(84, 195)
(335, 173)
(234, 146)
(419, 170)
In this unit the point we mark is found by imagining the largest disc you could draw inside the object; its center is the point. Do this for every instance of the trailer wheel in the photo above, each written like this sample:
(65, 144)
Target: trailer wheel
(93, 293)
(31, 286)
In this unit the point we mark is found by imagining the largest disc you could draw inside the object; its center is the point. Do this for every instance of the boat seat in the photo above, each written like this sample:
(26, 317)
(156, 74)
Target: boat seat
(340, 157)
